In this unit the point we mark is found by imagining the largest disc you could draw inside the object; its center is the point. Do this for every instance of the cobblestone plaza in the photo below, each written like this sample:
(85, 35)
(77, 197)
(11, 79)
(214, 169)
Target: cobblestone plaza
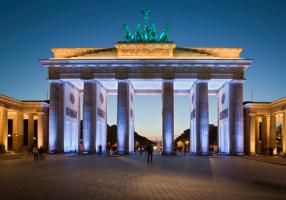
(131, 177)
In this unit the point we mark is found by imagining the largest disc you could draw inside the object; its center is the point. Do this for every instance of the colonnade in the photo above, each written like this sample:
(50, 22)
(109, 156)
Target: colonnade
(62, 124)
(265, 132)
(15, 133)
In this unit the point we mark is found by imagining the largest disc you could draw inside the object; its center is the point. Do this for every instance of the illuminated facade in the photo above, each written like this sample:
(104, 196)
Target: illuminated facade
(23, 124)
(265, 127)
(131, 69)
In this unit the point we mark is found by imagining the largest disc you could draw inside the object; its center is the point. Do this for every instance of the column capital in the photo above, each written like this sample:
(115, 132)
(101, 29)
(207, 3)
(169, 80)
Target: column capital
(56, 81)
(123, 80)
(88, 80)
(2, 107)
(252, 114)
(20, 112)
(236, 81)
(40, 113)
(266, 115)
(168, 80)
(29, 113)
(202, 81)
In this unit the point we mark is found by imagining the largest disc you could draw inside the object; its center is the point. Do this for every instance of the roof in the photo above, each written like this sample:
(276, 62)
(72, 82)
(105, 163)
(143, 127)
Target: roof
(147, 50)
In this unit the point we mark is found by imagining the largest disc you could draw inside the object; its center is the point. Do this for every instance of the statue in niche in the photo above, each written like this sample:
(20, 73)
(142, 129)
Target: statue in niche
(165, 34)
(128, 36)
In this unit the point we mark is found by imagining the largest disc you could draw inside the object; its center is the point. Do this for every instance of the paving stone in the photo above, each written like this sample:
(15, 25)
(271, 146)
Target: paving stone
(131, 177)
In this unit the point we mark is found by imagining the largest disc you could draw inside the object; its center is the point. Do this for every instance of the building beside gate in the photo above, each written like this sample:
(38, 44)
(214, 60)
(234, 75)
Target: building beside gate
(23, 123)
(265, 127)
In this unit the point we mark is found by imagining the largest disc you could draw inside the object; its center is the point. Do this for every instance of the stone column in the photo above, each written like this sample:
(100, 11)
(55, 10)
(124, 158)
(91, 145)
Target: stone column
(18, 134)
(123, 116)
(94, 116)
(236, 117)
(257, 139)
(265, 134)
(168, 116)
(56, 117)
(284, 133)
(4, 128)
(30, 131)
(273, 130)
(131, 119)
(40, 140)
(71, 117)
(199, 118)
(223, 120)
(231, 130)
(89, 116)
(252, 137)
(101, 117)
(46, 130)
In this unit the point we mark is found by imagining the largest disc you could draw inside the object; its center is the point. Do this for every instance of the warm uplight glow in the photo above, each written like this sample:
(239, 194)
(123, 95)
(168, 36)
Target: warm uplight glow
(180, 144)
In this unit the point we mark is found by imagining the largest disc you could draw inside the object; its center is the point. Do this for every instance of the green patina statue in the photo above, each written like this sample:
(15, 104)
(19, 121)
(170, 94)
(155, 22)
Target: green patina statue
(138, 34)
(164, 35)
(149, 34)
(145, 14)
(128, 37)
(153, 33)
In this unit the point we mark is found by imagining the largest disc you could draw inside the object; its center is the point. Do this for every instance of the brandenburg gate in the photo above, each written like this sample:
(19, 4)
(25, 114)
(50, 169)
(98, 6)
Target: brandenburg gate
(142, 65)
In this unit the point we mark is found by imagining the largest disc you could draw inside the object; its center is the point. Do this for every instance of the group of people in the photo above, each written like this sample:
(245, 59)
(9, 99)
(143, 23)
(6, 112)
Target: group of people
(109, 151)
(38, 154)
(182, 149)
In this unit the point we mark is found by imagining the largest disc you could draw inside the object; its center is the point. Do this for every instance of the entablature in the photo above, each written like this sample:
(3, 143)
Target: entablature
(23, 106)
(124, 69)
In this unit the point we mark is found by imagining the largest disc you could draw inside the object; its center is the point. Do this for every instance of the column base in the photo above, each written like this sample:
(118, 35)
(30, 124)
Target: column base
(204, 153)
(169, 153)
(223, 154)
(52, 151)
(55, 152)
(122, 153)
(238, 154)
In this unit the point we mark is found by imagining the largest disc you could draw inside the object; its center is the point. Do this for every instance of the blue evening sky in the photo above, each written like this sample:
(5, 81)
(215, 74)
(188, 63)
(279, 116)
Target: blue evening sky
(28, 29)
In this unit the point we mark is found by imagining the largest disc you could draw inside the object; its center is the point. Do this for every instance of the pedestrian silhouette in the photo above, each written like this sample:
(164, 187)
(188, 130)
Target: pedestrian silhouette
(36, 153)
(41, 154)
(100, 149)
(108, 148)
(150, 153)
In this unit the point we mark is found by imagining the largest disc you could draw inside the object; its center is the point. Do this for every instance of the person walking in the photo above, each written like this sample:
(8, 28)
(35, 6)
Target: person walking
(108, 148)
(100, 149)
(150, 153)
(41, 154)
(184, 149)
(35, 151)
